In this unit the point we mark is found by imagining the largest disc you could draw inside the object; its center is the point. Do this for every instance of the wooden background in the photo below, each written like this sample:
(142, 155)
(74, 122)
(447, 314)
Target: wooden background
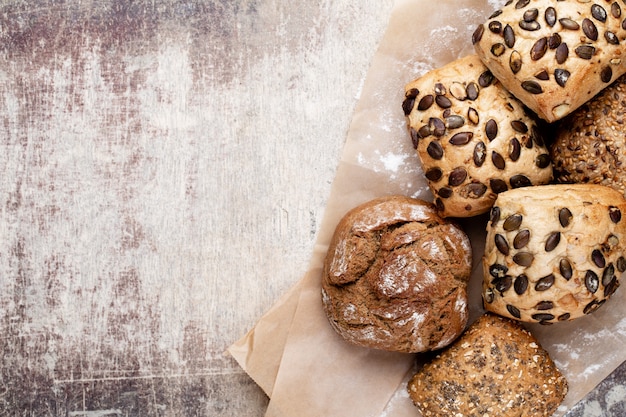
(164, 166)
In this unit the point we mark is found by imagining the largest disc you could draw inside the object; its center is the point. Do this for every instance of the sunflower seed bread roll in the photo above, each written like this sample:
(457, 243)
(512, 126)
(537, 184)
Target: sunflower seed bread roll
(395, 276)
(589, 143)
(554, 55)
(473, 138)
(554, 252)
(496, 368)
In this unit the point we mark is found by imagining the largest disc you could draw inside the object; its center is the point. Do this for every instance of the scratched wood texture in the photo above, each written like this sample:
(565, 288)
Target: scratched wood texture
(164, 165)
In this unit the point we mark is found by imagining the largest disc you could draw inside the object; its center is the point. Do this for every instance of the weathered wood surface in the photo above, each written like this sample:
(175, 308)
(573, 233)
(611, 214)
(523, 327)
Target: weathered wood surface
(164, 166)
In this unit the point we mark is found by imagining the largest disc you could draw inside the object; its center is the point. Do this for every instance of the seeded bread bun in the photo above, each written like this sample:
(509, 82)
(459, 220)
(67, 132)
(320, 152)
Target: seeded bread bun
(553, 55)
(473, 138)
(497, 368)
(395, 276)
(589, 144)
(554, 252)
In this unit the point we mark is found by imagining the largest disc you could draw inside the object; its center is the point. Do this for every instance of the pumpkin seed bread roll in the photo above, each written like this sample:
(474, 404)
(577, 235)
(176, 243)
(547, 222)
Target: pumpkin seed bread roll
(473, 138)
(497, 368)
(554, 55)
(395, 276)
(555, 252)
(589, 145)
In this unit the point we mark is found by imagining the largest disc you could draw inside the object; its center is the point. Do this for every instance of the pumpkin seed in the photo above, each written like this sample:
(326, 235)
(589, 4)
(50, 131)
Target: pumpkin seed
(509, 36)
(498, 160)
(457, 177)
(539, 49)
(434, 174)
(514, 150)
(544, 283)
(598, 12)
(425, 102)
(514, 311)
(461, 138)
(521, 239)
(568, 23)
(585, 51)
(561, 76)
(532, 87)
(512, 222)
(498, 185)
(589, 29)
(606, 74)
(521, 284)
(550, 16)
(501, 244)
(592, 281)
(562, 52)
(552, 241)
(435, 150)
(519, 180)
(491, 129)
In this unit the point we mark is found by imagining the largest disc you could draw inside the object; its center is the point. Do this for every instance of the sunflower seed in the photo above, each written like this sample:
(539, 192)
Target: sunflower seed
(515, 62)
(585, 51)
(565, 268)
(514, 311)
(512, 222)
(457, 177)
(434, 174)
(544, 283)
(591, 281)
(539, 49)
(521, 284)
(589, 29)
(550, 16)
(480, 153)
(562, 52)
(561, 76)
(461, 138)
(501, 244)
(498, 160)
(532, 87)
(598, 12)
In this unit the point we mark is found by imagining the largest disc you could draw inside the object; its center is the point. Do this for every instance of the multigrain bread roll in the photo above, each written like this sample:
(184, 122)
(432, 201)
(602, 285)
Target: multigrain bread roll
(473, 138)
(554, 252)
(589, 144)
(554, 55)
(496, 368)
(395, 276)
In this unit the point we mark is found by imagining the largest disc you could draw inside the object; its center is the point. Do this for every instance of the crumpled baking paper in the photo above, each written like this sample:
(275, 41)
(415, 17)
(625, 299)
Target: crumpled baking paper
(293, 354)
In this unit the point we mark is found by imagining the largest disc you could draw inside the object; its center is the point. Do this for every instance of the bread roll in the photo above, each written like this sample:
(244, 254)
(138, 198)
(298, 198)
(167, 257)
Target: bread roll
(473, 138)
(395, 276)
(554, 252)
(554, 55)
(497, 368)
(589, 145)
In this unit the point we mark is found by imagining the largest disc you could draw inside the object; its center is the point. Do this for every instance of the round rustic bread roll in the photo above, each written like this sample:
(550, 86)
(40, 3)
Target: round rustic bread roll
(589, 144)
(554, 252)
(554, 55)
(395, 276)
(473, 138)
(496, 368)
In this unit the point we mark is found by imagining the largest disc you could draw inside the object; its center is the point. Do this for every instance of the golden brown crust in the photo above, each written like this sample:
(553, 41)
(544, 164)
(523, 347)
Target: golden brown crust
(395, 276)
(554, 252)
(553, 56)
(473, 138)
(589, 145)
(497, 368)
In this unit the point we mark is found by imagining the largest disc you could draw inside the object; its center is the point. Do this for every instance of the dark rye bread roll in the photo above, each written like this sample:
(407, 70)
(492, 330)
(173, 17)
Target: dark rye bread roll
(395, 276)
(589, 144)
(496, 368)
(554, 252)
(473, 138)
(554, 55)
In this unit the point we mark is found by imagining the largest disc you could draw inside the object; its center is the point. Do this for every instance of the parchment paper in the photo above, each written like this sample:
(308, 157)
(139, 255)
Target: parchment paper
(292, 352)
